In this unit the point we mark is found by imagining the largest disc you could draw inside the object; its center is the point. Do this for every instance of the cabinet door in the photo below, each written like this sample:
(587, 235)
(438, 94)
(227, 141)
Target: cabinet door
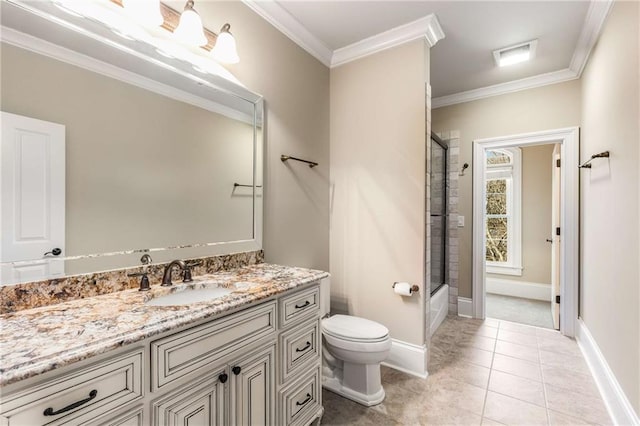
(197, 403)
(253, 389)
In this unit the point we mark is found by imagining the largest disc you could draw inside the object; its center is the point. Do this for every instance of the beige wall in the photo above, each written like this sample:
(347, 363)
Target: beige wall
(296, 89)
(142, 170)
(610, 289)
(549, 107)
(378, 177)
(536, 216)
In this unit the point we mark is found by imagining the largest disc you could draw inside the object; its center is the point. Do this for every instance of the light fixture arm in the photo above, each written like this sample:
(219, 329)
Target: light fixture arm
(189, 5)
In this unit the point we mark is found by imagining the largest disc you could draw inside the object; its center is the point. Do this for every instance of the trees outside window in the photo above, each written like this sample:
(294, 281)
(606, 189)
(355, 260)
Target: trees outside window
(502, 208)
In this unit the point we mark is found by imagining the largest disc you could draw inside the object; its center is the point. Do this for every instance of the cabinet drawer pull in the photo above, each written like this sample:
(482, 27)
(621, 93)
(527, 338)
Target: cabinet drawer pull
(223, 378)
(307, 303)
(305, 401)
(305, 347)
(49, 411)
(236, 370)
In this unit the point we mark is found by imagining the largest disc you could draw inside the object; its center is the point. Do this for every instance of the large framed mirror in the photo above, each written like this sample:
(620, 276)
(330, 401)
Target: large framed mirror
(111, 150)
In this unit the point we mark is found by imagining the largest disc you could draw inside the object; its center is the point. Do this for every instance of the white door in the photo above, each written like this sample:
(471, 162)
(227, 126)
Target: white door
(32, 206)
(555, 245)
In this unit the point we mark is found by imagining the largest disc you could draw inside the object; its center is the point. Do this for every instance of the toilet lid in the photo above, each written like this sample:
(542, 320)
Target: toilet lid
(354, 328)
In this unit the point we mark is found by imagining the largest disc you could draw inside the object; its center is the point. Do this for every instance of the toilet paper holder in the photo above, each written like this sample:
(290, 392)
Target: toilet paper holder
(414, 288)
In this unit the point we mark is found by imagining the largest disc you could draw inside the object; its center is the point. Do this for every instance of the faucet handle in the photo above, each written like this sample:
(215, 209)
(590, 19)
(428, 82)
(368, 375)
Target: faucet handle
(144, 280)
(186, 275)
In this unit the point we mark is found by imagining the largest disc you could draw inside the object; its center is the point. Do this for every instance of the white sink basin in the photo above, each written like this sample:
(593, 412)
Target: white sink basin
(189, 296)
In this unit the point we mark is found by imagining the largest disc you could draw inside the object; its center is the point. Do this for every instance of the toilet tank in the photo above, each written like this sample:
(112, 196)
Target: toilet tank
(325, 296)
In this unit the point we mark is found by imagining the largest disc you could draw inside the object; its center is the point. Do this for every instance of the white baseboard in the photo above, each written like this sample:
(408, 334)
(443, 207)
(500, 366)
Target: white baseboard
(465, 307)
(408, 358)
(618, 405)
(527, 290)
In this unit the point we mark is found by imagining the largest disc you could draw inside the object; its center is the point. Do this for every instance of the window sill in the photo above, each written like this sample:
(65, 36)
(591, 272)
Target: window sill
(504, 270)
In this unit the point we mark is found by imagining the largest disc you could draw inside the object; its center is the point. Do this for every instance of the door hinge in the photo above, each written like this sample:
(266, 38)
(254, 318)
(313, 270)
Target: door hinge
(557, 162)
(558, 299)
(558, 230)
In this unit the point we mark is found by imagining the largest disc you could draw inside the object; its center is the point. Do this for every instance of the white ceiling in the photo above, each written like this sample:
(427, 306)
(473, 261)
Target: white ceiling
(462, 61)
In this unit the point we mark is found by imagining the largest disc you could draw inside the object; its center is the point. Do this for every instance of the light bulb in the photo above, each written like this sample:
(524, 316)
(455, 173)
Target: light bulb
(225, 48)
(189, 29)
(147, 12)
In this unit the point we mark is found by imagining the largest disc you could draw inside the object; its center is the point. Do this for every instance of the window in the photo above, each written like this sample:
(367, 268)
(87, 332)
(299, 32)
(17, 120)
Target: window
(502, 207)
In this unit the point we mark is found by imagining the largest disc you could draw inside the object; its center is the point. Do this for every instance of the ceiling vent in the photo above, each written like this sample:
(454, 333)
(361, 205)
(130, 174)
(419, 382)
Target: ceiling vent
(515, 54)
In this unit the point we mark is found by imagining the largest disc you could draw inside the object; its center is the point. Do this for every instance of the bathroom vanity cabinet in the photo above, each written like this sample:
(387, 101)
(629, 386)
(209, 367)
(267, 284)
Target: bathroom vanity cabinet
(257, 365)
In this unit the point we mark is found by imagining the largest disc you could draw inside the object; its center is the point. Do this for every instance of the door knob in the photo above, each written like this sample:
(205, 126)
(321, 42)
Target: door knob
(236, 370)
(549, 240)
(223, 378)
(56, 252)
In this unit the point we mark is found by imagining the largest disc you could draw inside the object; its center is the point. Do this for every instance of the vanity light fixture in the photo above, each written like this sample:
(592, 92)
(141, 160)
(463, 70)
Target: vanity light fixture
(225, 48)
(515, 54)
(147, 12)
(156, 24)
(190, 29)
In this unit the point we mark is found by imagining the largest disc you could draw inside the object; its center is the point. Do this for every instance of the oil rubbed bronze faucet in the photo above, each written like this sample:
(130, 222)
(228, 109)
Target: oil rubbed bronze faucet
(186, 273)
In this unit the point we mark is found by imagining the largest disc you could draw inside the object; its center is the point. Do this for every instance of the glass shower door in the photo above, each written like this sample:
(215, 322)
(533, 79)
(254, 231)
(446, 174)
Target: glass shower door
(438, 203)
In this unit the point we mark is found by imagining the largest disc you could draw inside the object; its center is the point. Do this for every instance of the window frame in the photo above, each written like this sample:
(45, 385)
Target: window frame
(513, 175)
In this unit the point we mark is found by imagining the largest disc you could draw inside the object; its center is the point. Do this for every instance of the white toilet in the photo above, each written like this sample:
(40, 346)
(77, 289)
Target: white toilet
(353, 349)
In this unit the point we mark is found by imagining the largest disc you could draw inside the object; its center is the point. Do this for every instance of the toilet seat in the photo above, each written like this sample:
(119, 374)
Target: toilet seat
(355, 334)
(354, 328)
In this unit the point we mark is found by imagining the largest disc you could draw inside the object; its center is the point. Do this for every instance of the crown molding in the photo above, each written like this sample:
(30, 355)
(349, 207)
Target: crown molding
(45, 48)
(282, 20)
(276, 15)
(504, 88)
(593, 23)
(427, 27)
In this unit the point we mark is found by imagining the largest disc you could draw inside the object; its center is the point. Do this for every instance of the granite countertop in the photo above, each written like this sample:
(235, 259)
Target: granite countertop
(38, 340)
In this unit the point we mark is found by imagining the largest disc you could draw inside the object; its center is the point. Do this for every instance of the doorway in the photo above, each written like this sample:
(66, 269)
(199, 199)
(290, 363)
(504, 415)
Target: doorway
(519, 186)
(490, 222)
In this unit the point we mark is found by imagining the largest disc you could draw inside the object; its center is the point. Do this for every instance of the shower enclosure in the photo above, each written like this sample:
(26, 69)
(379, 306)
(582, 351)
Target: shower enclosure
(438, 203)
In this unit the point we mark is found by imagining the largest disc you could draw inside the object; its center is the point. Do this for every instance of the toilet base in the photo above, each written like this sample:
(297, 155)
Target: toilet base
(332, 379)
(334, 385)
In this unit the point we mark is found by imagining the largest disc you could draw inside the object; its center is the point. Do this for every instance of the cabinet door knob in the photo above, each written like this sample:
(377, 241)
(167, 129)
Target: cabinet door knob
(236, 370)
(223, 378)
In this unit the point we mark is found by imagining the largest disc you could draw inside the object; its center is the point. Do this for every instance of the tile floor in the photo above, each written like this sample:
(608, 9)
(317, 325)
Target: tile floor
(517, 309)
(485, 372)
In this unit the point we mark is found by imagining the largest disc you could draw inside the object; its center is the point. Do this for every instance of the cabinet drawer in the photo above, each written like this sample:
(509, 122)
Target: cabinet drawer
(133, 417)
(80, 396)
(300, 401)
(298, 346)
(193, 350)
(299, 305)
